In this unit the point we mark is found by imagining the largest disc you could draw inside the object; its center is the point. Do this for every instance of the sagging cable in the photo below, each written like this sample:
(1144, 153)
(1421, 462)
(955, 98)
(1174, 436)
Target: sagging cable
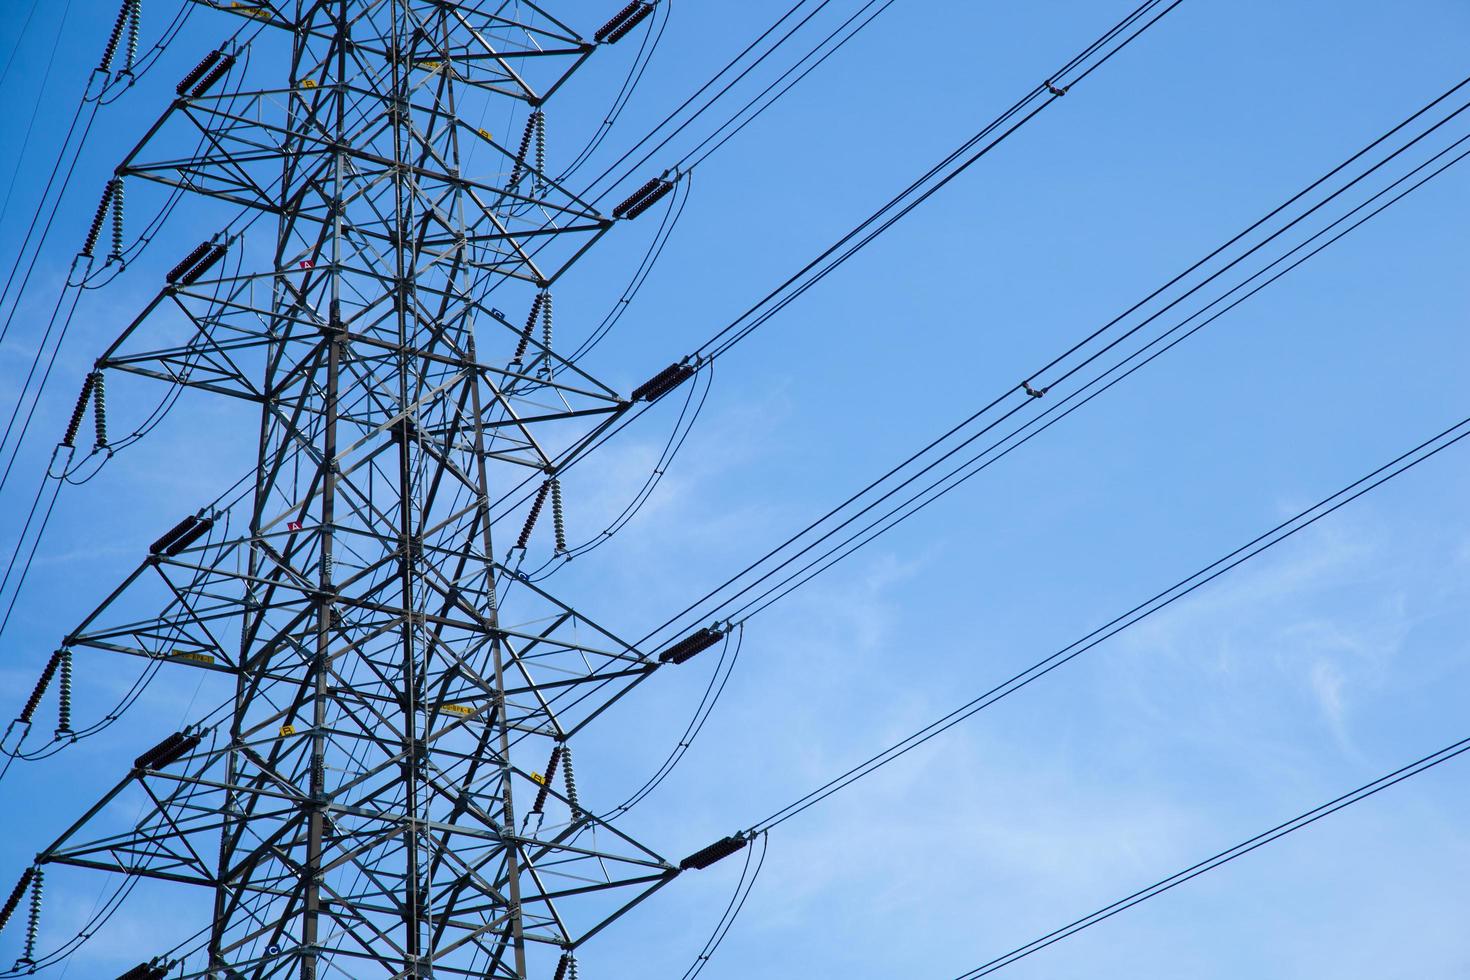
(169, 751)
(623, 22)
(693, 644)
(662, 383)
(718, 851)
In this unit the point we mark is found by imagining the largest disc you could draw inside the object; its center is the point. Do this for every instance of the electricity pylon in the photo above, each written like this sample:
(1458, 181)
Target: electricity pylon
(390, 792)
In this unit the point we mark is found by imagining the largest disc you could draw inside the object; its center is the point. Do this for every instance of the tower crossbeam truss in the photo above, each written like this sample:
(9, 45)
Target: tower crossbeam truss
(376, 799)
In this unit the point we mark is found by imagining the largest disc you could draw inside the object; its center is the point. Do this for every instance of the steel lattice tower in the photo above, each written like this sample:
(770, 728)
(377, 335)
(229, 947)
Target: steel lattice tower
(391, 792)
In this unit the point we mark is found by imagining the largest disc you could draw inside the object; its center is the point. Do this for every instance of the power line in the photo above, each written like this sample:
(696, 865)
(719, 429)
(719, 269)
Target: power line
(944, 485)
(1299, 822)
(1283, 531)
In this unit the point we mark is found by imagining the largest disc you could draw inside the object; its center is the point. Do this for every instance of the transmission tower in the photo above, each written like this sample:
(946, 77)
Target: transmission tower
(390, 792)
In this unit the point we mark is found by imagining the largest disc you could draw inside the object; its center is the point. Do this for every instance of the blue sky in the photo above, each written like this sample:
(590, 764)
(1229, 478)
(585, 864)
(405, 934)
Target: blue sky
(1334, 659)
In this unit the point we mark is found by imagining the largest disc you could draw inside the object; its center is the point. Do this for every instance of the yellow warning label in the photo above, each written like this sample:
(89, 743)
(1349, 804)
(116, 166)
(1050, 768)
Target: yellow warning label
(288, 730)
(193, 657)
(458, 709)
(250, 10)
(538, 779)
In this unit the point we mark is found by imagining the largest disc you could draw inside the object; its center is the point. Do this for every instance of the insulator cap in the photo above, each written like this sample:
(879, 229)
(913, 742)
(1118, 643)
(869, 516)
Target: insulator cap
(692, 644)
(706, 856)
(197, 72)
(170, 750)
(625, 20)
(662, 383)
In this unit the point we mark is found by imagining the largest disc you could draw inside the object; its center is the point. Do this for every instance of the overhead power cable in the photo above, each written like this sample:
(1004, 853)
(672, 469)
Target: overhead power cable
(1161, 600)
(1096, 54)
(740, 595)
(1299, 822)
(731, 65)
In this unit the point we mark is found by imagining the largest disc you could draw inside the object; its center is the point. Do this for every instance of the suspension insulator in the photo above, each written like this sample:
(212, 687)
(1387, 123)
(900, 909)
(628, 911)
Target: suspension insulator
(647, 201)
(525, 342)
(197, 72)
(212, 77)
(33, 921)
(105, 65)
(561, 967)
(622, 22)
(135, 26)
(99, 410)
(191, 276)
(172, 535)
(571, 780)
(170, 750)
(540, 150)
(546, 782)
(558, 516)
(89, 244)
(34, 701)
(662, 383)
(187, 262)
(525, 150)
(692, 644)
(70, 439)
(706, 856)
(534, 513)
(637, 196)
(13, 902)
(146, 971)
(63, 706)
(117, 220)
(191, 534)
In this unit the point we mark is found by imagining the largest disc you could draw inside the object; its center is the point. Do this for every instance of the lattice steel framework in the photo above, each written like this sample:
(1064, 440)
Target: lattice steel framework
(391, 792)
